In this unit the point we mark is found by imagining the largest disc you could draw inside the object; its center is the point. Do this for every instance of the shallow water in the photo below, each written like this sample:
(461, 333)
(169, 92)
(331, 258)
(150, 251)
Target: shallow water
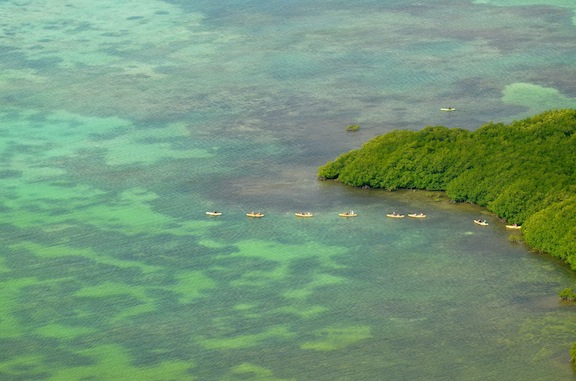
(122, 124)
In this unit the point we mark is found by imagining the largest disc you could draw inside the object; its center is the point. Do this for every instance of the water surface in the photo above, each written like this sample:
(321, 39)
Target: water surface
(121, 124)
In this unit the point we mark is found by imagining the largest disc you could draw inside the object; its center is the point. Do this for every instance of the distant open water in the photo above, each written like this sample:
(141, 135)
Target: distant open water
(121, 124)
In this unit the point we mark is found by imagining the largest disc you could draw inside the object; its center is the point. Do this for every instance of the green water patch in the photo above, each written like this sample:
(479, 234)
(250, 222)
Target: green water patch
(247, 371)
(535, 98)
(110, 52)
(24, 367)
(211, 244)
(111, 362)
(101, 33)
(337, 337)
(3, 267)
(56, 330)
(129, 212)
(55, 302)
(148, 146)
(38, 136)
(274, 283)
(318, 280)
(191, 285)
(79, 288)
(524, 3)
(280, 258)
(247, 340)
(57, 251)
(10, 325)
(46, 145)
(141, 301)
(19, 74)
(42, 149)
(75, 286)
(34, 203)
(301, 310)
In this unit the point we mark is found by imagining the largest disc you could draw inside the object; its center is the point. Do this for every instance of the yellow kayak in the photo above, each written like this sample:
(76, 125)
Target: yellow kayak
(348, 214)
(255, 214)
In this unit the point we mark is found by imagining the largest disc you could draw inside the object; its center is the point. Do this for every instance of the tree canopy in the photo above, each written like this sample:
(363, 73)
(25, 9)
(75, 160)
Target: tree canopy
(524, 172)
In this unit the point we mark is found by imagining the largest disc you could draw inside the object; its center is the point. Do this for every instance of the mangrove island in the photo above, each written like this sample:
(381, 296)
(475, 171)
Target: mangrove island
(524, 172)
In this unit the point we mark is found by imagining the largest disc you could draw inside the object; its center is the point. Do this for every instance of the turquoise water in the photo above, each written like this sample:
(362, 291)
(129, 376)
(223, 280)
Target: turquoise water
(121, 124)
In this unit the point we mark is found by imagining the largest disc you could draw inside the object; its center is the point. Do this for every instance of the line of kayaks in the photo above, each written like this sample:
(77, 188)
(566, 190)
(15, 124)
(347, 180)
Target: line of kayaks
(298, 214)
(352, 213)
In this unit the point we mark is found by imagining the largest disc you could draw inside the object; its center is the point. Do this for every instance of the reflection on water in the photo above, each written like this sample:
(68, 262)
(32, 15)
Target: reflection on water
(121, 126)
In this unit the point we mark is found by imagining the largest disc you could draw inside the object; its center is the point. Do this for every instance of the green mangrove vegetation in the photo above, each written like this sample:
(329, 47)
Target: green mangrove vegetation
(567, 294)
(524, 172)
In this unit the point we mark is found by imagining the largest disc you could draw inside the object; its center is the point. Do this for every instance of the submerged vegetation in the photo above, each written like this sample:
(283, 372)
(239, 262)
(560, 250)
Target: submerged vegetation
(353, 127)
(525, 172)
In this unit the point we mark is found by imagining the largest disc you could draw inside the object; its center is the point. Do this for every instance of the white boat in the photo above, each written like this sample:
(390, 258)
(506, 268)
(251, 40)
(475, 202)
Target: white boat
(394, 215)
(481, 222)
(214, 213)
(255, 214)
(447, 109)
(417, 215)
(303, 214)
(348, 214)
